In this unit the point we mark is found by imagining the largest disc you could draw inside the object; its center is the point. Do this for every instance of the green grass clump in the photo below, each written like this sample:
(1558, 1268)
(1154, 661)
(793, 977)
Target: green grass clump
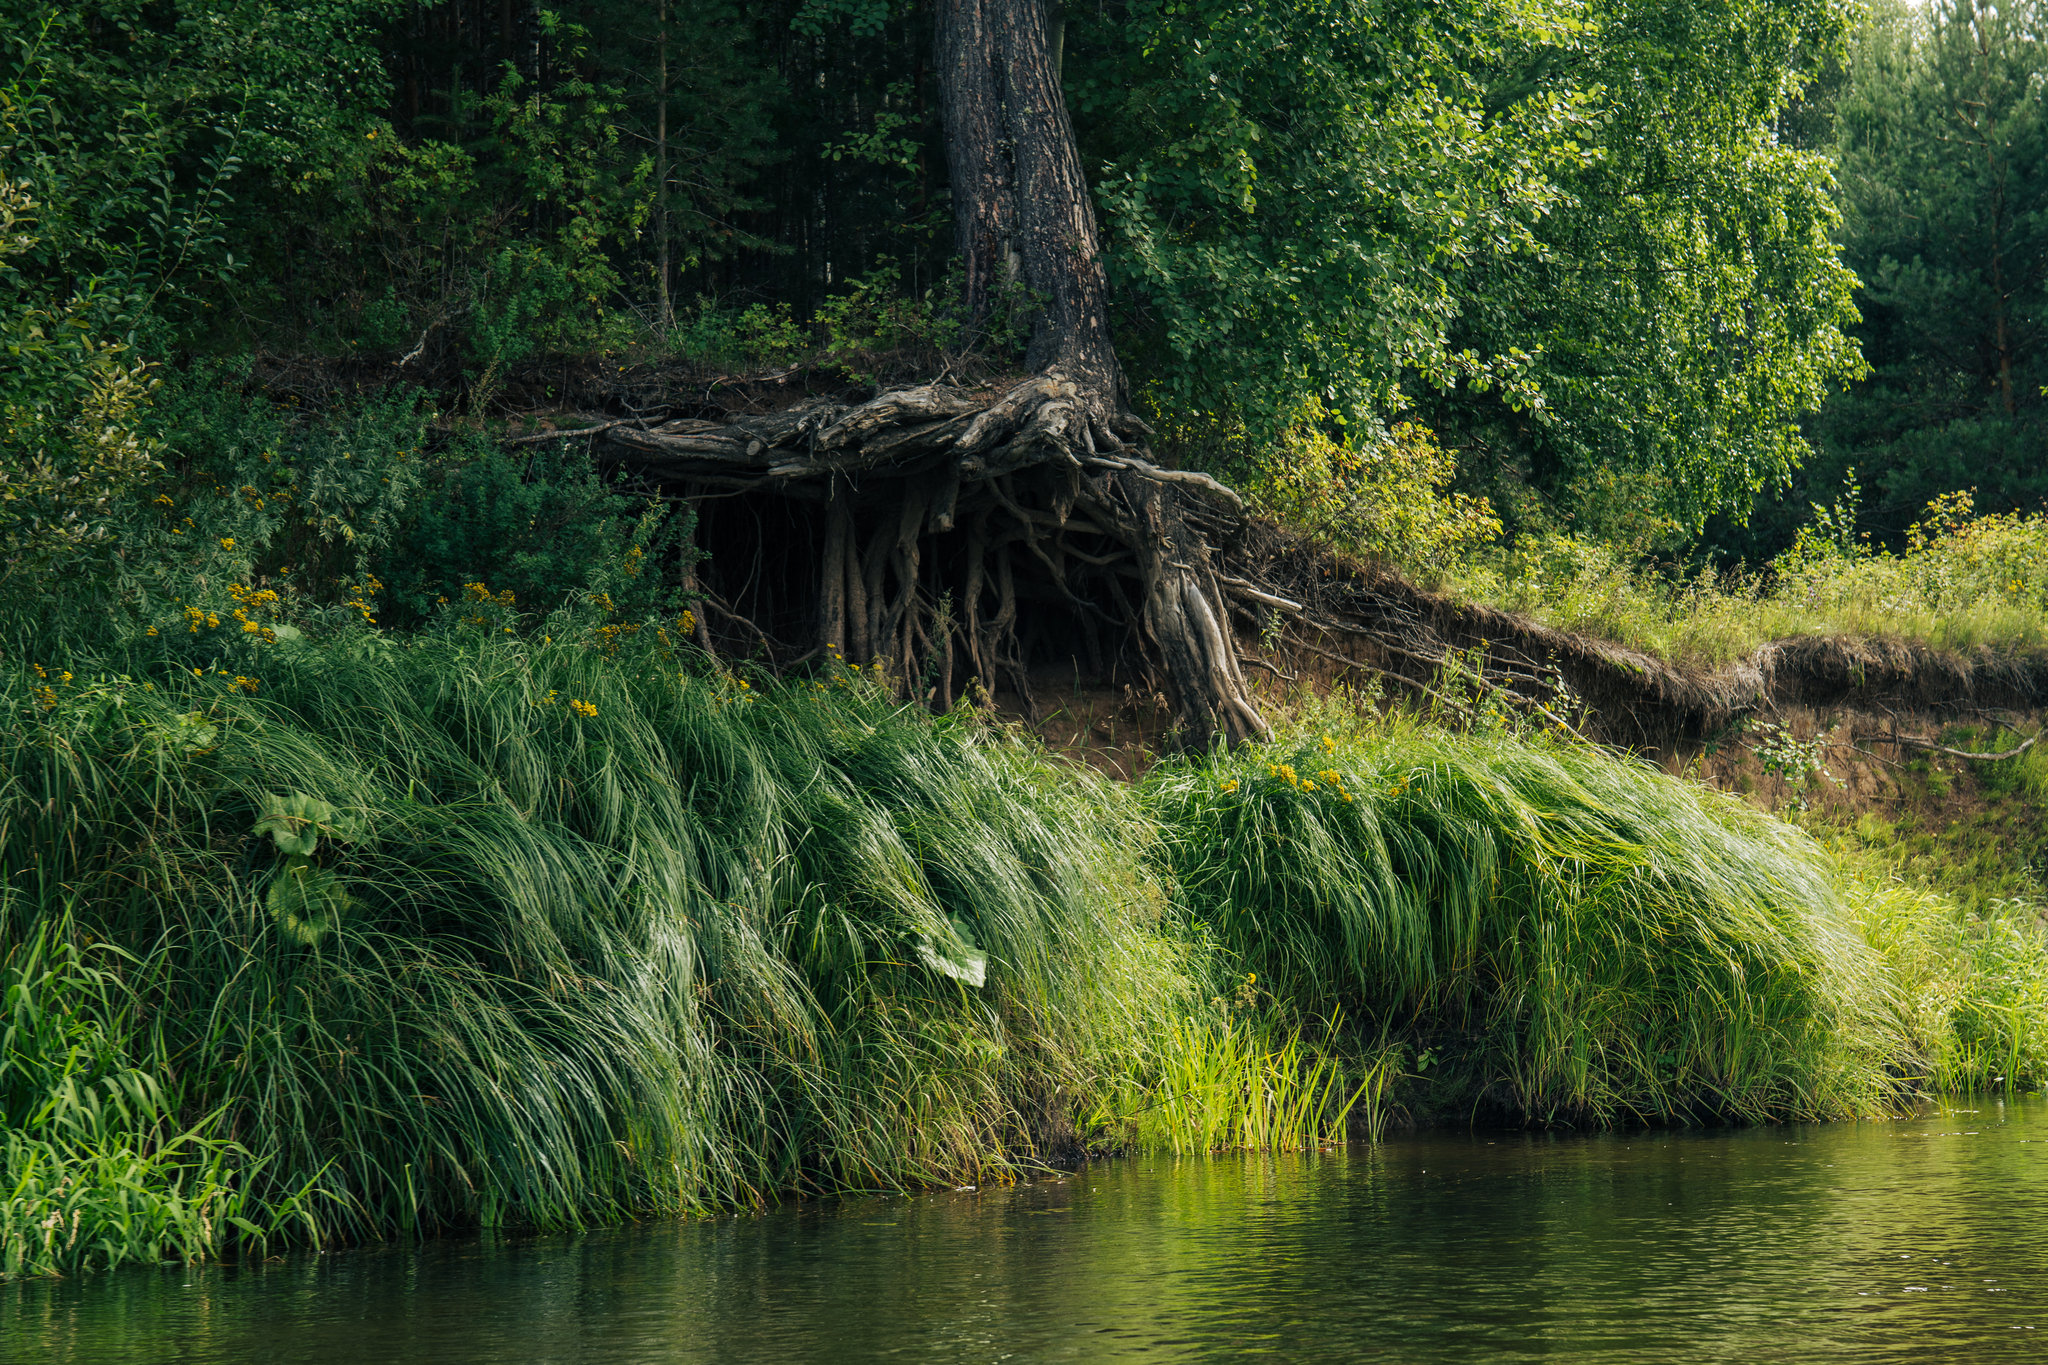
(1591, 938)
(470, 931)
(1232, 1081)
(1973, 983)
(94, 1166)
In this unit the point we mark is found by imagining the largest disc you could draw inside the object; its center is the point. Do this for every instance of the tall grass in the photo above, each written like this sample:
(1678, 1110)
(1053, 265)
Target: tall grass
(1974, 985)
(1228, 1082)
(1595, 939)
(469, 929)
(94, 1169)
(581, 936)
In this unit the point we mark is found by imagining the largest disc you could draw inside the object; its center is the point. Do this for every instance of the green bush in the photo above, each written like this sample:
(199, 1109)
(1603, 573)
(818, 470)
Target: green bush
(1383, 495)
(538, 524)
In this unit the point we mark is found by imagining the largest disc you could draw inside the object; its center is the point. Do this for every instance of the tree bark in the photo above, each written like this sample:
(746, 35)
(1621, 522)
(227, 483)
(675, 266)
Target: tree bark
(1022, 205)
(971, 95)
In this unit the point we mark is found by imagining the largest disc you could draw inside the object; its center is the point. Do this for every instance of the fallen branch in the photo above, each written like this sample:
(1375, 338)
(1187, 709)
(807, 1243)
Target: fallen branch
(566, 433)
(1913, 742)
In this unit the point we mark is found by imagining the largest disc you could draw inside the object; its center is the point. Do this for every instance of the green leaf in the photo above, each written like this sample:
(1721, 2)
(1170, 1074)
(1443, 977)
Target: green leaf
(308, 902)
(297, 821)
(953, 954)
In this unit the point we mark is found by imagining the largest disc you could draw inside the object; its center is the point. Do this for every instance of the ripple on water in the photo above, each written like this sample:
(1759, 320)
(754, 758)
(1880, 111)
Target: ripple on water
(1873, 1241)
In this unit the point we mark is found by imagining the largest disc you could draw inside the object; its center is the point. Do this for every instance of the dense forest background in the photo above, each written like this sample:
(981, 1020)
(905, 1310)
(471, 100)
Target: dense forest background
(1659, 276)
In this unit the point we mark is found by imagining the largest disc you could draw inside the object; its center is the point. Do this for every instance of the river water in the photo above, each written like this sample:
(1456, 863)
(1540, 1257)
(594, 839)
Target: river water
(1920, 1240)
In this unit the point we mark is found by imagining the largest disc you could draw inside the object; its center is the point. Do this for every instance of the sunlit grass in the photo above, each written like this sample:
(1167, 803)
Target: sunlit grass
(1612, 942)
(1964, 583)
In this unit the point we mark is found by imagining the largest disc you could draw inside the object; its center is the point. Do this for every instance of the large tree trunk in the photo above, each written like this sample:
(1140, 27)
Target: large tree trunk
(1023, 211)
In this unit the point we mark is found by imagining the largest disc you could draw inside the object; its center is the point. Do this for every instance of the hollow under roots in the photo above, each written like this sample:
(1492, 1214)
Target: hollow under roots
(960, 536)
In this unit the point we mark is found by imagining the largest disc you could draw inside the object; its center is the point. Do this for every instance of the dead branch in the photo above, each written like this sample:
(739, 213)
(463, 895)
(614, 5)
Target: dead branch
(1914, 742)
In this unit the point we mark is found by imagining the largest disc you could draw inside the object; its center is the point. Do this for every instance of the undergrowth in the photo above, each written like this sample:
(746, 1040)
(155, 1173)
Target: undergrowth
(1961, 582)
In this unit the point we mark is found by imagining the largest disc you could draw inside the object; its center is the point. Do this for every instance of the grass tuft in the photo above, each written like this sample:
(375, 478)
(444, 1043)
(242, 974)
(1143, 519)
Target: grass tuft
(1595, 939)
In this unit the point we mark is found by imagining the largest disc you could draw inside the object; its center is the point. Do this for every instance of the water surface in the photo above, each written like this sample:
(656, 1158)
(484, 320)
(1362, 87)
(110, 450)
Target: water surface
(1918, 1240)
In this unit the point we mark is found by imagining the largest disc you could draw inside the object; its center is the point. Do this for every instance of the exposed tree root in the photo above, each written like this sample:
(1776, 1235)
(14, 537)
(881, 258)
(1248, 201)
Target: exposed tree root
(949, 534)
(962, 537)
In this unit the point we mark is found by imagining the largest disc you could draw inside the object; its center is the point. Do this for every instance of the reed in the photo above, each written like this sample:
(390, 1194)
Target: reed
(97, 1171)
(1230, 1083)
(1973, 985)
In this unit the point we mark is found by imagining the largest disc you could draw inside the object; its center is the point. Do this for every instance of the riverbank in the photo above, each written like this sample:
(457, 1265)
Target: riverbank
(474, 929)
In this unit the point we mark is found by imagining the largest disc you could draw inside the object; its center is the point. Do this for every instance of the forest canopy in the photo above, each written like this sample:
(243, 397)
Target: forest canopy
(1566, 236)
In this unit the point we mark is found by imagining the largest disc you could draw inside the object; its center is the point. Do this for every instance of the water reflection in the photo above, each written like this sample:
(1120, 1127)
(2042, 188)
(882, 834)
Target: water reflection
(1879, 1241)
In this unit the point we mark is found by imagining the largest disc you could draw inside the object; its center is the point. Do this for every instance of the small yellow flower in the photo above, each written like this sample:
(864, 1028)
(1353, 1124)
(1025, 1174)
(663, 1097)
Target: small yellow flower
(583, 708)
(227, 542)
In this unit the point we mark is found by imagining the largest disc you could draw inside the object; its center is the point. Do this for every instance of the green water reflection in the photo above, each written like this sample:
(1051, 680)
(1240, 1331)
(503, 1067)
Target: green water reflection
(1919, 1240)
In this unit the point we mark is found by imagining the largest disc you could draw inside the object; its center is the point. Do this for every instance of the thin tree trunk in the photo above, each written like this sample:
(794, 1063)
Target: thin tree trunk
(667, 311)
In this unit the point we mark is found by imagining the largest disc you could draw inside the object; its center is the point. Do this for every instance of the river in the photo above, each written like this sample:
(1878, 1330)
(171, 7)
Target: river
(1922, 1240)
